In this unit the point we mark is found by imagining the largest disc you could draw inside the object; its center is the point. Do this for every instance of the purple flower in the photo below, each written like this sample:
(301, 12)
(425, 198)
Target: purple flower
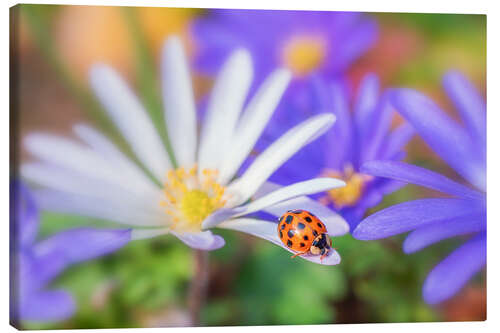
(463, 210)
(303, 41)
(36, 264)
(361, 133)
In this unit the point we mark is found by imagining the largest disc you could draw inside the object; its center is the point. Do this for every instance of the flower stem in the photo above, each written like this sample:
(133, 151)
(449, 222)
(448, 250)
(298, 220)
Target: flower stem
(198, 287)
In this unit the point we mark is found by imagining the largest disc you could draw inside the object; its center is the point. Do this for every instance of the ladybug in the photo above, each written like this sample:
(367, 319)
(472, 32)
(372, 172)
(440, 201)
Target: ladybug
(302, 232)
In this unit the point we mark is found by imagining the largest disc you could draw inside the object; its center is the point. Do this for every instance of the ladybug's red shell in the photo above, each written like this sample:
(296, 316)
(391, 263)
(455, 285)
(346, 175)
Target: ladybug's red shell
(297, 229)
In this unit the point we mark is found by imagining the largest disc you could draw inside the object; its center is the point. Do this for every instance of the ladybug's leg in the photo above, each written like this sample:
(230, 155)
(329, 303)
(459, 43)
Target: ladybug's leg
(298, 254)
(324, 253)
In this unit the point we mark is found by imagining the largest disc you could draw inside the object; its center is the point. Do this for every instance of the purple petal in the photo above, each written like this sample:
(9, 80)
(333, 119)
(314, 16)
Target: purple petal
(469, 103)
(434, 233)
(34, 273)
(50, 257)
(340, 135)
(53, 305)
(442, 134)
(389, 185)
(375, 135)
(366, 101)
(451, 274)
(419, 176)
(82, 243)
(372, 196)
(360, 40)
(413, 214)
(204, 240)
(397, 139)
(24, 214)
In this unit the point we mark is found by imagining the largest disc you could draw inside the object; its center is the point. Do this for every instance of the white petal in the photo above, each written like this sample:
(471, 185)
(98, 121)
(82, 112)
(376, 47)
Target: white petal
(131, 118)
(275, 155)
(69, 154)
(272, 195)
(268, 231)
(57, 178)
(148, 233)
(284, 193)
(74, 156)
(259, 228)
(119, 211)
(219, 216)
(292, 191)
(266, 188)
(178, 100)
(253, 122)
(334, 222)
(204, 240)
(225, 105)
(128, 169)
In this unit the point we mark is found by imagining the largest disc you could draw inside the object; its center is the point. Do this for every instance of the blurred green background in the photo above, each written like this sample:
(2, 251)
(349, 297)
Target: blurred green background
(251, 282)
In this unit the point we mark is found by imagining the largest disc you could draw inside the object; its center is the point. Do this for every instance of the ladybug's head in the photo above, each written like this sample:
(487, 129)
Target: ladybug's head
(321, 245)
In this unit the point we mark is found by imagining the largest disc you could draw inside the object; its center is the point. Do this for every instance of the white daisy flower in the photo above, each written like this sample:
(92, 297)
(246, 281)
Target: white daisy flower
(94, 178)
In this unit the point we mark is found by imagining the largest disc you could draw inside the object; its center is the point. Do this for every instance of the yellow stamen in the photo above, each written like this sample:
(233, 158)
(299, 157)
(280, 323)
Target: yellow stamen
(349, 194)
(192, 171)
(191, 198)
(303, 54)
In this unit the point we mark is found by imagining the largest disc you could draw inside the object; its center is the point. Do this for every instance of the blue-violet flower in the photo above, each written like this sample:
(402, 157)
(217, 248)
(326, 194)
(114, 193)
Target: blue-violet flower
(36, 263)
(463, 210)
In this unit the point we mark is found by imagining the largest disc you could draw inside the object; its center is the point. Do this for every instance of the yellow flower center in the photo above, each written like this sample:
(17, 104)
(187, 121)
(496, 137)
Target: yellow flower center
(303, 54)
(190, 197)
(349, 194)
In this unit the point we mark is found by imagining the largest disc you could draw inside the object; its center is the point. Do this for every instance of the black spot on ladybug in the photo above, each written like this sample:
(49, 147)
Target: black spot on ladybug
(281, 219)
(306, 237)
(281, 234)
(308, 219)
(291, 233)
(297, 211)
(315, 233)
(289, 219)
(301, 226)
(320, 225)
(289, 243)
(283, 226)
(302, 244)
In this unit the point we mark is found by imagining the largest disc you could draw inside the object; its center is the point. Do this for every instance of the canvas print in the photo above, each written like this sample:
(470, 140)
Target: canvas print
(212, 167)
